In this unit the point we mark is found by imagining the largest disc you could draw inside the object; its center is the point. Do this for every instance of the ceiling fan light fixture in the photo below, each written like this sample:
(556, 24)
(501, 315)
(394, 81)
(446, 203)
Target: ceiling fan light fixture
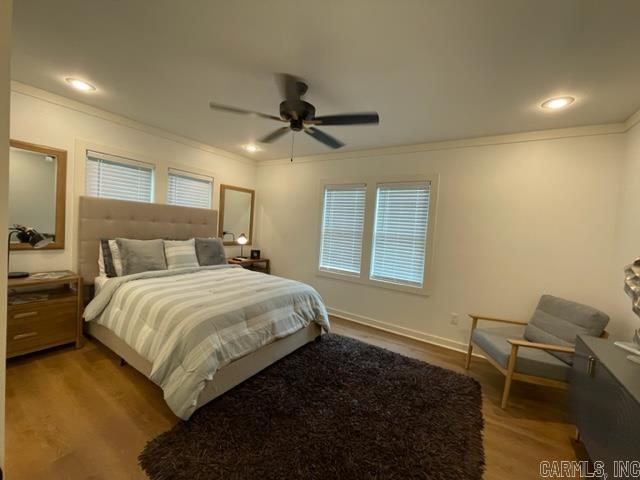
(557, 103)
(80, 84)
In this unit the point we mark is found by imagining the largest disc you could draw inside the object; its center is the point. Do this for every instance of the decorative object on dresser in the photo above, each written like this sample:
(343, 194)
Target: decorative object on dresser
(25, 235)
(255, 254)
(541, 351)
(252, 264)
(44, 310)
(605, 399)
(632, 288)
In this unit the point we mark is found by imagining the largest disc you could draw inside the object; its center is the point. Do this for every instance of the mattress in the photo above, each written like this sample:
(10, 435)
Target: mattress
(189, 323)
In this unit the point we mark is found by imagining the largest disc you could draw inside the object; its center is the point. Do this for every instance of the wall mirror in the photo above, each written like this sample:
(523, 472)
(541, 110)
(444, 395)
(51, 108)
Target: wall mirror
(37, 191)
(236, 213)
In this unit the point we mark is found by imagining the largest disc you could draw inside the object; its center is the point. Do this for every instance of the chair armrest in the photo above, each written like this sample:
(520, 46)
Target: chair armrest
(492, 319)
(541, 346)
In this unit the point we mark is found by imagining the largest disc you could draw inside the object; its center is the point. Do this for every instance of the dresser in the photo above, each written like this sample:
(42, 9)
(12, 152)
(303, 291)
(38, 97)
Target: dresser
(605, 398)
(43, 313)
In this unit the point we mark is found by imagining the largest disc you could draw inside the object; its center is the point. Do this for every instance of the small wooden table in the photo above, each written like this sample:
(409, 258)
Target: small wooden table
(256, 264)
(43, 313)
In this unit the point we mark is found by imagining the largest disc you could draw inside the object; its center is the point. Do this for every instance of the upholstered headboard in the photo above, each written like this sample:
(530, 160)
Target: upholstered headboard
(102, 218)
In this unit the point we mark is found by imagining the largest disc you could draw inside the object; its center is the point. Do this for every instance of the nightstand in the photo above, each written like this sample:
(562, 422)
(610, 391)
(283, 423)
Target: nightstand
(43, 313)
(256, 264)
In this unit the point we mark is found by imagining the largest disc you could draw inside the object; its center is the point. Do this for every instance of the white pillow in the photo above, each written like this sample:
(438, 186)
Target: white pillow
(180, 254)
(101, 270)
(115, 256)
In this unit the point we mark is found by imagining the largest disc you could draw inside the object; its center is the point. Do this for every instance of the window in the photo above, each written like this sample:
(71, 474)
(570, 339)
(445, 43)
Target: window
(379, 232)
(400, 233)
(110, 176)
(342, 228)
(189, 190)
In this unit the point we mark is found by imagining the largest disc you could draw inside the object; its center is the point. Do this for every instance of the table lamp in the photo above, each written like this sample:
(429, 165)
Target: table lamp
(242, 241)
(25, 235)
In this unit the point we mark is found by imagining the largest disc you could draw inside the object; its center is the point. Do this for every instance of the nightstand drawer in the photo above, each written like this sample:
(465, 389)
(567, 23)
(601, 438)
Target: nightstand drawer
(33, 326)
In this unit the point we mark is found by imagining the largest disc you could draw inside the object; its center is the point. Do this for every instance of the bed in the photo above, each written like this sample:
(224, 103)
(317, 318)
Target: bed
(296, 313)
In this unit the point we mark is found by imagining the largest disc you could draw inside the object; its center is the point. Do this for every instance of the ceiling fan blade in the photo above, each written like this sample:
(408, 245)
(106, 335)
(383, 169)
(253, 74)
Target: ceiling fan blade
(348, 119)
(227, 108)
(292, 88)
(322, 137)
(274, 135)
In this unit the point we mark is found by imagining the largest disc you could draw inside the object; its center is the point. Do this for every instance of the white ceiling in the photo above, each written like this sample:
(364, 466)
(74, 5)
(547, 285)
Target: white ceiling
(433, 69)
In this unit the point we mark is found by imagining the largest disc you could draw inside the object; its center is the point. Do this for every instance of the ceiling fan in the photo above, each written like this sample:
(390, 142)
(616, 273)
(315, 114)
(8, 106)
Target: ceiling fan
(301, 115)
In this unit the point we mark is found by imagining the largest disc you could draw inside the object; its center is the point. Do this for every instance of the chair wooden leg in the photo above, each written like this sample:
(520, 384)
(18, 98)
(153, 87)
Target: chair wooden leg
(467, 364)
(508, 377)
(469, 352)
(505, 392)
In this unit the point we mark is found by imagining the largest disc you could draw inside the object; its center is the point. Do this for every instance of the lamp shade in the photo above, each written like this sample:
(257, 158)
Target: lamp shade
(242, 239)
(32, 237)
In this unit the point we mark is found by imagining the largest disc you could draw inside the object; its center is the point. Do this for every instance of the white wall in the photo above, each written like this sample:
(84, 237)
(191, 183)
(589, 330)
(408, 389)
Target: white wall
(5, 56)
(46, 119)
(514, 221)
(627, 241)
(517, 216)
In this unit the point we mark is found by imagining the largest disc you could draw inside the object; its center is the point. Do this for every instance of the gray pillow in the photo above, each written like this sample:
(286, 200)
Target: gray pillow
(141, 255)
(210, 251)
(107, 258)
(559, 321)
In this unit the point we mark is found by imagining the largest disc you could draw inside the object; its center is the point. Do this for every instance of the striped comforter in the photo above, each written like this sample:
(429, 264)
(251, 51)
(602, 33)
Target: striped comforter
(190, 322)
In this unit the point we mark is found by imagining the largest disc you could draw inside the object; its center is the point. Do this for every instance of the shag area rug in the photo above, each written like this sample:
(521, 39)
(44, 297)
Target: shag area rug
(334, 409)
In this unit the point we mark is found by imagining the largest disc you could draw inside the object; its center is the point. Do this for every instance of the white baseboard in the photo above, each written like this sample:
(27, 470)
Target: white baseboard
(402, 331)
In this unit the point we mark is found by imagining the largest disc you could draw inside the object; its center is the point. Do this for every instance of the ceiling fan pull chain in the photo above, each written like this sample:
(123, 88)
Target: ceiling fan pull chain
(293, 134)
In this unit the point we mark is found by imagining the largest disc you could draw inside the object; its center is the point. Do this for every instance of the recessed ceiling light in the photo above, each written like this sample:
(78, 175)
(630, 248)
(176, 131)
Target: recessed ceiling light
(251, 148)
(80, 84)
(558, 102)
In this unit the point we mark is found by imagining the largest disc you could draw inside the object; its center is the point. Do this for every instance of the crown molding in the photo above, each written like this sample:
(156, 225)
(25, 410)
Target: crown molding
(31, 91)
(632, 121)
(540, 135)
(535, 136)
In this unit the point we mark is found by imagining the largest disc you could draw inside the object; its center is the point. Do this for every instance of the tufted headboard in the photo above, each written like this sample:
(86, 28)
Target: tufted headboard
(103, 218)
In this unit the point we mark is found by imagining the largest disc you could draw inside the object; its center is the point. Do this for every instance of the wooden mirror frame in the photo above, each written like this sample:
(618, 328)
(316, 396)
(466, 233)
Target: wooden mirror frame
(61, 193)
(223, 190)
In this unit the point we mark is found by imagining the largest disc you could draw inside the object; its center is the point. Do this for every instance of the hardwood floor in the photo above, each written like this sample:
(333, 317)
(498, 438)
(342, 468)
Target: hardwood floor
(76, 414)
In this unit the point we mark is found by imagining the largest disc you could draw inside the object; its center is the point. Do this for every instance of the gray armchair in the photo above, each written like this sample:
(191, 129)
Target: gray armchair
(540, 351)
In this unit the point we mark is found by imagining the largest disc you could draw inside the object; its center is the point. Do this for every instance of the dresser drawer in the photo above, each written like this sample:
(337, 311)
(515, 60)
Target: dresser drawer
(35, 326)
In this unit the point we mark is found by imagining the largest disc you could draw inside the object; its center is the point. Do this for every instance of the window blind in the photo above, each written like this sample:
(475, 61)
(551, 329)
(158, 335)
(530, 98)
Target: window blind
(189, 190)
(400, 233)
(115, 177)
(342, 226)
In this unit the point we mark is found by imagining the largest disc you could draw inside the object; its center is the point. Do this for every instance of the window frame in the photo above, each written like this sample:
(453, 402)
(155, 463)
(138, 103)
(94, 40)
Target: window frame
(372, 183)
(320, 240)
(160, 163)
(196, 176)
(122, 160)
